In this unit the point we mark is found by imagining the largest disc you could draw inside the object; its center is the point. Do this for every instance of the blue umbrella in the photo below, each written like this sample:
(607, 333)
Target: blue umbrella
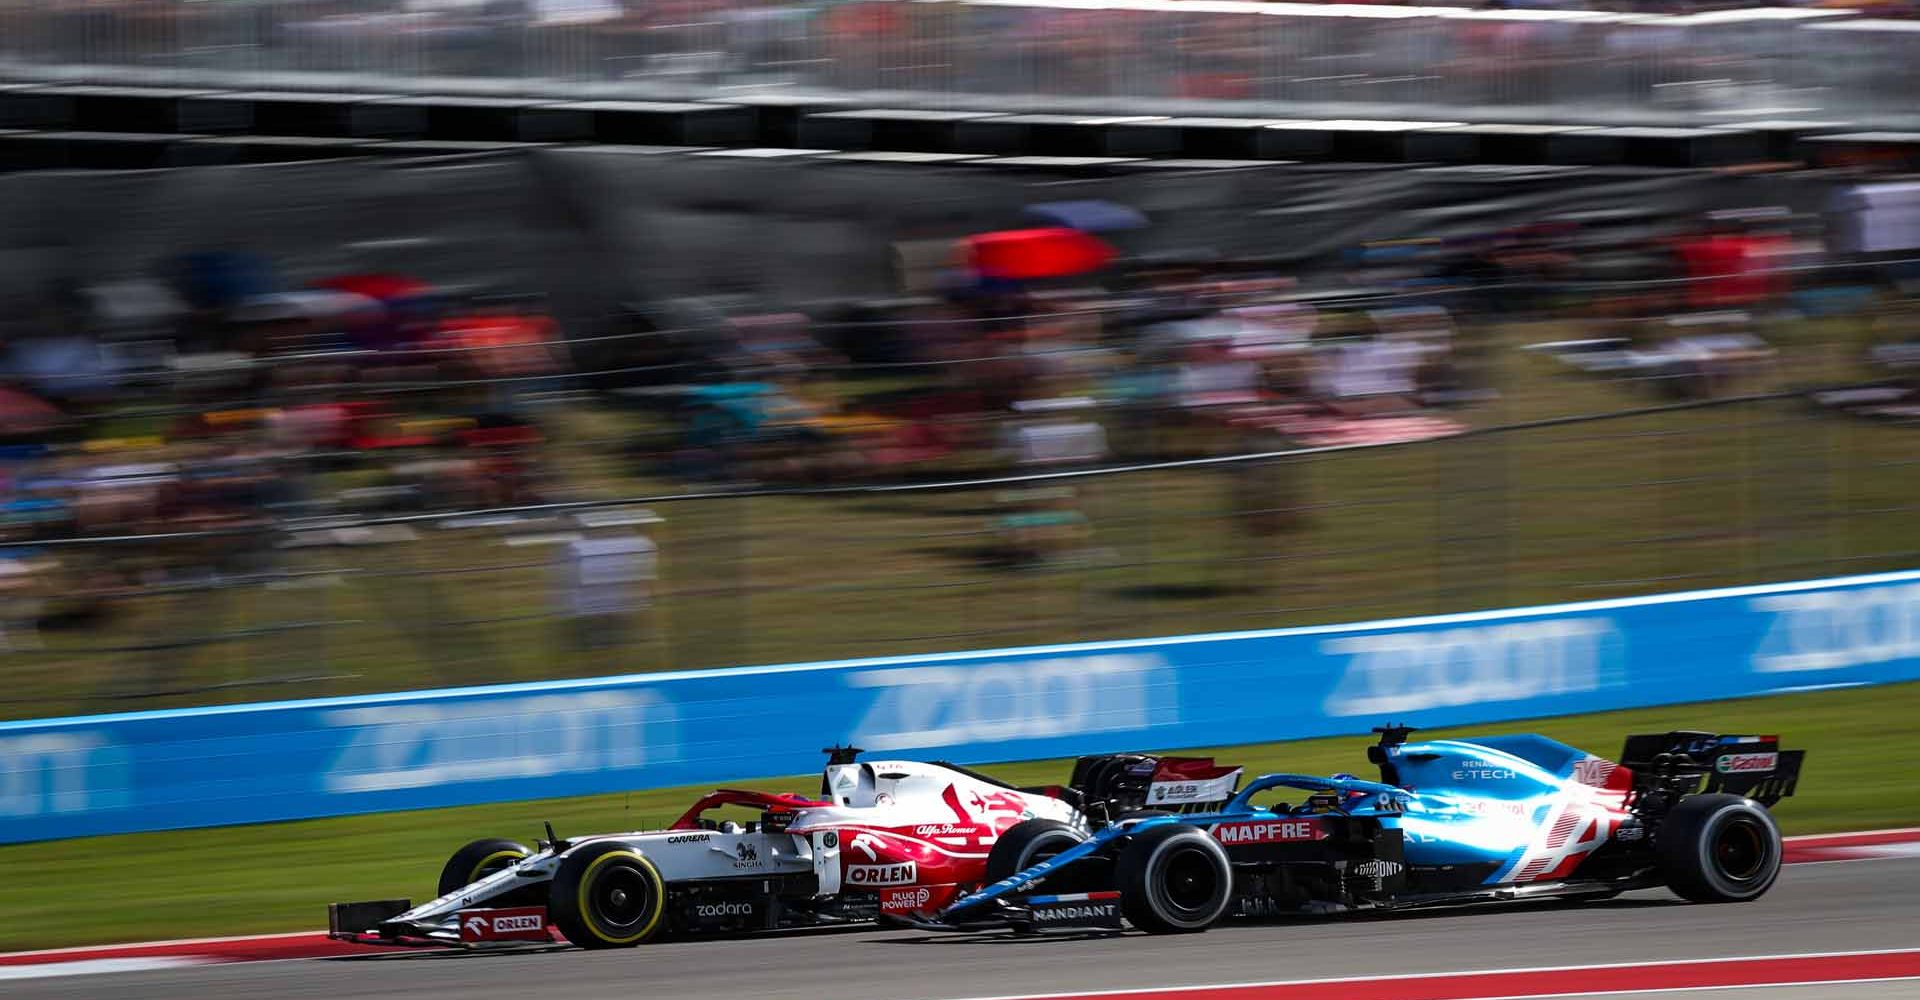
(215, 279)
(63, 366)
(1089, 216)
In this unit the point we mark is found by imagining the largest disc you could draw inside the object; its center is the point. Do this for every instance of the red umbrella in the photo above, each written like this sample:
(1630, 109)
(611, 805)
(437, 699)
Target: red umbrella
(501, 346)
(22, 414)
(1029, 254)
(384, 287)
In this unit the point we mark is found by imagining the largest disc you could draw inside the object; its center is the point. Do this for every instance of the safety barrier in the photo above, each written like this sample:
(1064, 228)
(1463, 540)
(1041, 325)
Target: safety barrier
(290, 760)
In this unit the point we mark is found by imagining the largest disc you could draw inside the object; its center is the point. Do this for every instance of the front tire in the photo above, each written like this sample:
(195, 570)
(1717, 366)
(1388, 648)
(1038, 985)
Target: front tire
(1174, 879)
(477, 860)
(607, 895)
(1719, 849)
(1027, 843)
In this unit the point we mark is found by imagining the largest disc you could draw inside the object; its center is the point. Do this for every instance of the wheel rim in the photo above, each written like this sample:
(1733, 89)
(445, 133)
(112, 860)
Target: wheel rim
(621, 898)
(1190, 879)
(1740, 850)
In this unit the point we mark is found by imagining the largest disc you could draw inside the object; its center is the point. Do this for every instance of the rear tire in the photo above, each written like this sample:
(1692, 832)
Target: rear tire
(477, 860)
(1174, 879)
(607, 895)
(1028, 843)
(1719, 849)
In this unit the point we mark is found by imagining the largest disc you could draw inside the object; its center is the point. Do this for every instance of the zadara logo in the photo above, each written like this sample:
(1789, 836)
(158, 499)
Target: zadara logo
(904, 873)
(1746, 763)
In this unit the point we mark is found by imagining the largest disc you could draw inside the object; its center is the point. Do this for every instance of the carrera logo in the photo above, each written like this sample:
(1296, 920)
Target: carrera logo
(527, 923)
(690, 838)
(906, 900)
(1746, 763)
(904, 873)
(1278, 832)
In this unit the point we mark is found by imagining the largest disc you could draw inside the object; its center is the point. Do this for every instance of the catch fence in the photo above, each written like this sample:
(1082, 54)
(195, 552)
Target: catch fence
(1671, 497)
(1133, 56)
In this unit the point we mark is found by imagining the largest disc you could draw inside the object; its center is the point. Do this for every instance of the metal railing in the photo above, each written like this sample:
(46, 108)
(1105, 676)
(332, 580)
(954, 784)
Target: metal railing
(1130, 56)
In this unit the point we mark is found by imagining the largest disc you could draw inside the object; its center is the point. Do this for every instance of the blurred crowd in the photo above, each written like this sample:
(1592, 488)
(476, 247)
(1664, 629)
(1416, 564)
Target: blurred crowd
(216, 401)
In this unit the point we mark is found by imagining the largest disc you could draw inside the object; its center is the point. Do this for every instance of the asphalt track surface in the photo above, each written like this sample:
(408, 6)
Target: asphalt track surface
(1836, 907)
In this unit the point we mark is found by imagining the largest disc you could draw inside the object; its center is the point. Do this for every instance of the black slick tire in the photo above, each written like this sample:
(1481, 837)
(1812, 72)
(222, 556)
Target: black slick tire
(1174, 879)
(1719, 849)
(1027, 843)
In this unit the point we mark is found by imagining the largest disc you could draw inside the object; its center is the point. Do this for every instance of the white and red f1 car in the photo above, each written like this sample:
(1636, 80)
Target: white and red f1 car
(885, 837)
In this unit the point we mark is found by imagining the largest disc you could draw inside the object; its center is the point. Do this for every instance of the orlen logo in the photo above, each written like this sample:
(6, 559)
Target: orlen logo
(525, 923)
(900, 874)
(70, 772)
(1278, 832)
(1412, 671)
(986, 703)
(418, 745)
(1835, 629)
(1746, 763)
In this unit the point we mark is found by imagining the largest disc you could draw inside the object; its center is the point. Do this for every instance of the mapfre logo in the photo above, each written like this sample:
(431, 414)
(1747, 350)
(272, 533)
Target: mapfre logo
(1746, 763)
(904, 873)
(990, 702)
(1394, 672)
(1276, 832)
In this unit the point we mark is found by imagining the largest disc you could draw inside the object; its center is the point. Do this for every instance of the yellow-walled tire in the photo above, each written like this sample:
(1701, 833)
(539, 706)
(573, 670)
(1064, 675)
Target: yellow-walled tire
(476, 861)
(607, 895)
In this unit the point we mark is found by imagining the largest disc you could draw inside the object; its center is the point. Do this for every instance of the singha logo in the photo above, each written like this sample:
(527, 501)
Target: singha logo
(745, 856)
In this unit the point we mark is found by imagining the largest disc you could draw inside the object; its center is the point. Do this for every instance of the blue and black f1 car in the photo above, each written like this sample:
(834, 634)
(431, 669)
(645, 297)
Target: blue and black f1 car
(1449, 822)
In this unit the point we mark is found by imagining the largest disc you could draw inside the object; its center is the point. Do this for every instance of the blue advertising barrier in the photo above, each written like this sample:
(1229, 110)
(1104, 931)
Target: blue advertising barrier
(289, 760)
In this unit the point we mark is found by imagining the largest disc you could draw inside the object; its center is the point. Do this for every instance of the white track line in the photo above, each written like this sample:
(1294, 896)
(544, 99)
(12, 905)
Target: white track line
(1651, 990)
(1515, 970)
(279, 936)
(95, 966)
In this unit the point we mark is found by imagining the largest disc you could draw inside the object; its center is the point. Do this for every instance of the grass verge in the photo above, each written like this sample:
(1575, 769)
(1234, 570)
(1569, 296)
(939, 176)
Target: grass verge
(277, 877)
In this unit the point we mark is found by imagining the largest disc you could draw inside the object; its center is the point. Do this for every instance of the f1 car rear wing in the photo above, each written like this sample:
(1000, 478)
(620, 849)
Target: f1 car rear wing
(1753, 766)
(1110, 785)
